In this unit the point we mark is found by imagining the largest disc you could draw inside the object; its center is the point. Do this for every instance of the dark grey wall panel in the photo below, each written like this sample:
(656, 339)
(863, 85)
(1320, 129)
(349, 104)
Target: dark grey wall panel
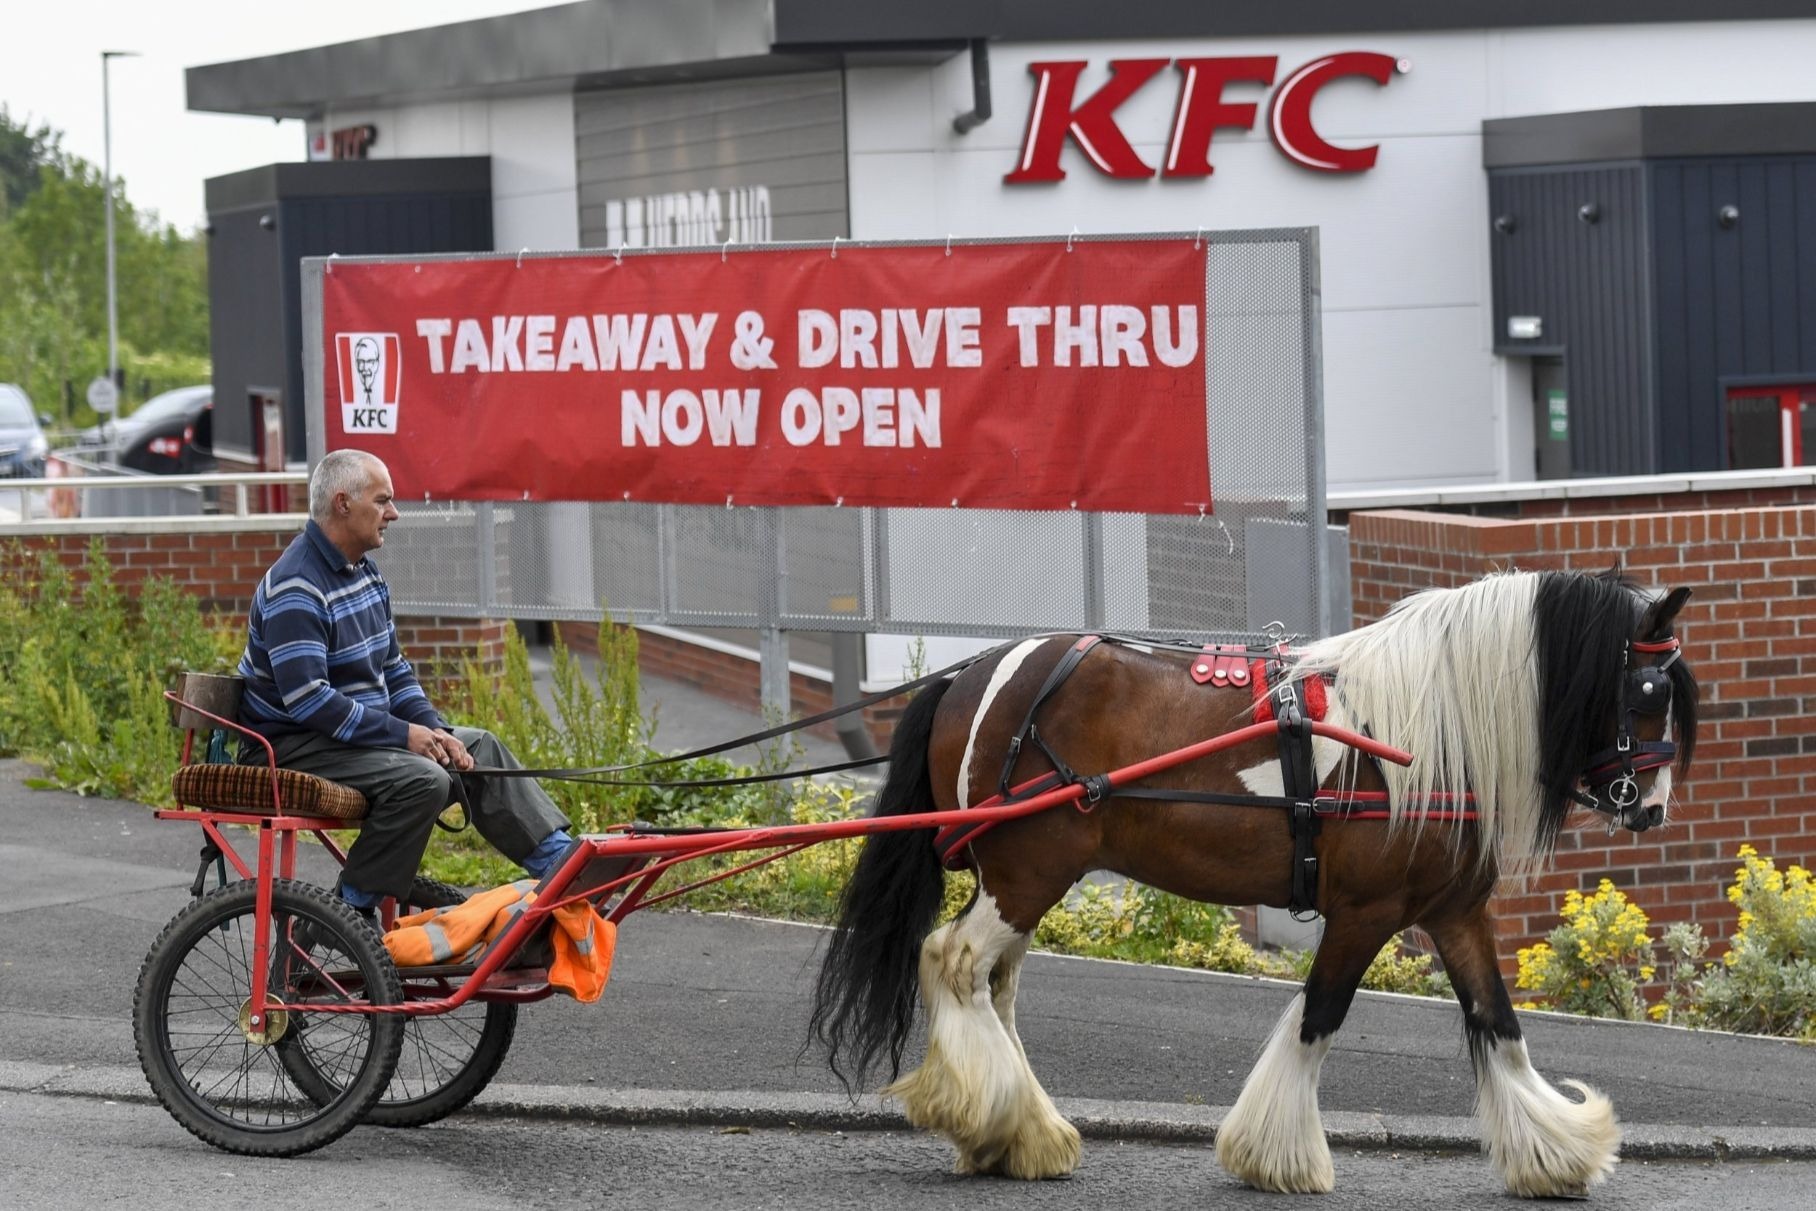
(246, 319)
(1735, 303)
(1589, 283)
(254, 273)
(769, 149)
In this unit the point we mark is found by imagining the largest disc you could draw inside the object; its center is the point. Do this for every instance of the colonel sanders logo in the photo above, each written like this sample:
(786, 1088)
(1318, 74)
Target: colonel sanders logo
(371, 374)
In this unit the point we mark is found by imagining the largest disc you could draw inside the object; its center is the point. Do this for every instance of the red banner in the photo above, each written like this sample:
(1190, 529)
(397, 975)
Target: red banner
(987, 376)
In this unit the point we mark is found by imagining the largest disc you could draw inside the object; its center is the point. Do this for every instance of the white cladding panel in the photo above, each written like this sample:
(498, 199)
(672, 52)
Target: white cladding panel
(1413, 393)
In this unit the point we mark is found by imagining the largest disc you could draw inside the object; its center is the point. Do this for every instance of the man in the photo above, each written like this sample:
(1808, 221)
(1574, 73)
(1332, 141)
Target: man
(327, 684)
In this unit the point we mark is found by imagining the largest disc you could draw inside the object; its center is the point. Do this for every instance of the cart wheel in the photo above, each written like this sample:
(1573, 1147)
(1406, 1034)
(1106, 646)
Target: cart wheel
(222, 1077)
(447, 1058)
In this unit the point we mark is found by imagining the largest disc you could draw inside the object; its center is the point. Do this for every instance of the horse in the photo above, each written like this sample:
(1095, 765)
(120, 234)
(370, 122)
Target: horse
(1521, 695)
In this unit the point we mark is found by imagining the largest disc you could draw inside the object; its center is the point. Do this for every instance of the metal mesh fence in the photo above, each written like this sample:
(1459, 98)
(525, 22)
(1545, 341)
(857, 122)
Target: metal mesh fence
(985, 573)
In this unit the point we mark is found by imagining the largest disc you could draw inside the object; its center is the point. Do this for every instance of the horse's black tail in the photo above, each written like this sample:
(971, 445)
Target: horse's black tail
(864, 1001)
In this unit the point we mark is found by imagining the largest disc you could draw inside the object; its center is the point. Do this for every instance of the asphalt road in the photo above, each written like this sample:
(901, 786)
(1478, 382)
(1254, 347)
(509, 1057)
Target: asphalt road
(82, 1153)
(703, 1024)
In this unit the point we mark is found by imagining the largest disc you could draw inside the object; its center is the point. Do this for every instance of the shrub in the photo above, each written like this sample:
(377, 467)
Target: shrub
(1766, 983)
(1597, 961)
(1128, 921)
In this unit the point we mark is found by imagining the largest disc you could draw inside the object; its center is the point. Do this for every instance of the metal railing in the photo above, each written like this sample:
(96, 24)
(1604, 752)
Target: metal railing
(102, 494)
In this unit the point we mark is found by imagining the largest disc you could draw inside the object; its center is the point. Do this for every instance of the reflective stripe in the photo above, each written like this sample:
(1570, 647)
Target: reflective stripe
(440, 949)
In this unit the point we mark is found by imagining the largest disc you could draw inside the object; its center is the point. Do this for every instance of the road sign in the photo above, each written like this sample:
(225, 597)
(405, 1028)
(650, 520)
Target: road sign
(103, 396)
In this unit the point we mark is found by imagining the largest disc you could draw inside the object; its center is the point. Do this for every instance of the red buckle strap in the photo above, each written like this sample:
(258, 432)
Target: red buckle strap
(1222, 664)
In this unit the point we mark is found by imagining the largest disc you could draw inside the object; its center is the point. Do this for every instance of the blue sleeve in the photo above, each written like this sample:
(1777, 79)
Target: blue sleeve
(408, 699)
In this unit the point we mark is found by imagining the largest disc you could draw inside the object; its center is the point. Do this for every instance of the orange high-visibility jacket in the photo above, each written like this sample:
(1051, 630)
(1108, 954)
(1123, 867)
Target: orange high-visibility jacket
(583, 940)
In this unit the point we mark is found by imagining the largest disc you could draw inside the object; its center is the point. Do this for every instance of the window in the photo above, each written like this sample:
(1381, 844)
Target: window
(1771, 426)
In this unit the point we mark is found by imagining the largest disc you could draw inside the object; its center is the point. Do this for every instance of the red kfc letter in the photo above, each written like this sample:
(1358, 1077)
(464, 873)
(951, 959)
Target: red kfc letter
(1092, 124)
(1289, 116)
(1202, 109)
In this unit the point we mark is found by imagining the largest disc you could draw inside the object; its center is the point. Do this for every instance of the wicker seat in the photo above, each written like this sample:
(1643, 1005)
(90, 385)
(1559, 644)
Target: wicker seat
(247, 788)
(206, 702)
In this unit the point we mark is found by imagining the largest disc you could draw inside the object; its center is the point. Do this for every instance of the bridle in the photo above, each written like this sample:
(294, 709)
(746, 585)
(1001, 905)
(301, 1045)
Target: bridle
(1609, 777)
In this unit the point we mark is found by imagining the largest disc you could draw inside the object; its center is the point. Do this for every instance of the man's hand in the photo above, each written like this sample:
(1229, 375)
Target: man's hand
(458, 756)
(443, 748)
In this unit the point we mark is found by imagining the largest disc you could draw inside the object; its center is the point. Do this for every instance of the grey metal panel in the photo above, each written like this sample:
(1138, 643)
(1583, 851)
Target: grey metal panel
(646, 41)
(550, 47)
(657, 105)
(1605, 134)
(246, 318)
(348, 179)
(1736, 303)
(784, 135)
(1589, 283)
(825, 22)
(1650, 132)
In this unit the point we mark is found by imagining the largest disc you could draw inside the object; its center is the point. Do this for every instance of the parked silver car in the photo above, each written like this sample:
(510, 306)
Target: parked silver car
(22, 443)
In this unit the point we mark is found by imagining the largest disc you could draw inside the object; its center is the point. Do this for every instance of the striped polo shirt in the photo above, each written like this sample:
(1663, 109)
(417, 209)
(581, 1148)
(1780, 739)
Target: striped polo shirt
(322, 654)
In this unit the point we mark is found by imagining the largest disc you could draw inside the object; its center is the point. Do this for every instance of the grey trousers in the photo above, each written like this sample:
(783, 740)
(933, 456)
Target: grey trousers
(407, 792)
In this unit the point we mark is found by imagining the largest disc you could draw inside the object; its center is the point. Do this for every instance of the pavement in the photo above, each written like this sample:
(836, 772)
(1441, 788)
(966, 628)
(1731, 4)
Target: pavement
(704, 1021)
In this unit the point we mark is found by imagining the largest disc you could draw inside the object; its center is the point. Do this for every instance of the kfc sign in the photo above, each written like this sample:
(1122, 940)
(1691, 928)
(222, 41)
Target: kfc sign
(1058, 115)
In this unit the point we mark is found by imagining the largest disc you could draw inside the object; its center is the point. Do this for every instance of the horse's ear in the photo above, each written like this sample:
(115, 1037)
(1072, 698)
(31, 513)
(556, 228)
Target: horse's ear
(1655, 623)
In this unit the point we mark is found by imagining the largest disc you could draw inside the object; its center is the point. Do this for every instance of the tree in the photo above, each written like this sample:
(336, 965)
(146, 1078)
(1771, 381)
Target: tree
(53, 278)
(23, 151)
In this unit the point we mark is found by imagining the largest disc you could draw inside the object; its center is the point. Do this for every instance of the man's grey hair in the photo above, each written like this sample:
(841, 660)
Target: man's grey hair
(339, 471)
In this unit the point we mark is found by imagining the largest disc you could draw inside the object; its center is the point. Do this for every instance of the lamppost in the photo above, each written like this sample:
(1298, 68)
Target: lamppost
(113, 323)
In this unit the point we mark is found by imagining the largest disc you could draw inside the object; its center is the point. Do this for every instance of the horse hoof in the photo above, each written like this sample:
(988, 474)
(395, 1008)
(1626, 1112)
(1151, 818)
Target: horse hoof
(1557, 1148)
(1299, 1170)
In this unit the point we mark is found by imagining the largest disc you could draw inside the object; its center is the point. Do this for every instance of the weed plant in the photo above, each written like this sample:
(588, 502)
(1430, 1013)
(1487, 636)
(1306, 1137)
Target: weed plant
(82, 674)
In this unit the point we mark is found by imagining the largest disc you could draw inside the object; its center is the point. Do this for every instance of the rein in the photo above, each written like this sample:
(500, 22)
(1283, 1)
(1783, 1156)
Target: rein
(590, 774)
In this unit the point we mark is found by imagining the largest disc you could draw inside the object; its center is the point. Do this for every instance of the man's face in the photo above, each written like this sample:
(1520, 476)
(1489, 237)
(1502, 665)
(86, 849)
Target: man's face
(370, 510)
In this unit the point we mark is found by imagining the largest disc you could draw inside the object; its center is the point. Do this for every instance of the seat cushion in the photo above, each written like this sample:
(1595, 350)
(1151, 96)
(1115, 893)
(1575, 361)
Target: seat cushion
(247, 788)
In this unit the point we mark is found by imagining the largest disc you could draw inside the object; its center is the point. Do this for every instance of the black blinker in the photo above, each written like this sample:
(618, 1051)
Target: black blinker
(1649, 690)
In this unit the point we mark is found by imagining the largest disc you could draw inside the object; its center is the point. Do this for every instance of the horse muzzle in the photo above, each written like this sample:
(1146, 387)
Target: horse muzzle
(1619, 800)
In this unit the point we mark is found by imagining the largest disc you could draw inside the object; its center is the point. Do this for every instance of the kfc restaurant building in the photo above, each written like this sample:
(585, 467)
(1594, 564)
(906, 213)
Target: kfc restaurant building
(1556, 239)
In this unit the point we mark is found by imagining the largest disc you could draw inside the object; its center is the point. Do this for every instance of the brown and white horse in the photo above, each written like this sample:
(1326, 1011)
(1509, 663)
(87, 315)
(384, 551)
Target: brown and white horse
(1516, 689)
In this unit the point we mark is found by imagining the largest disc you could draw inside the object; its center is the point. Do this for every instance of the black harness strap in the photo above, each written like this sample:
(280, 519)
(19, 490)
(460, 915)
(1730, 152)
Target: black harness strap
(1027, 730)
(1299, 781)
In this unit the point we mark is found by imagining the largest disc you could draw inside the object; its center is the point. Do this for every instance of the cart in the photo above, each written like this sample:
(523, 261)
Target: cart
(269, 1017)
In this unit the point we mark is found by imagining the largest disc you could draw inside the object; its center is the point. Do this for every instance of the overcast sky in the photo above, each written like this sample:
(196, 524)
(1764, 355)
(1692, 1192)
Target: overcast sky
(50, 71)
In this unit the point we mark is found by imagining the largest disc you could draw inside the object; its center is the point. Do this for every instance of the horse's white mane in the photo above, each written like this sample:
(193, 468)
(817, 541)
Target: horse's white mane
(1451, 676)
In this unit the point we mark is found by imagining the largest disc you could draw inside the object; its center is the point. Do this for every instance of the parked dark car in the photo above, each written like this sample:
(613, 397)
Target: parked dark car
(169, 434)
(22, 442)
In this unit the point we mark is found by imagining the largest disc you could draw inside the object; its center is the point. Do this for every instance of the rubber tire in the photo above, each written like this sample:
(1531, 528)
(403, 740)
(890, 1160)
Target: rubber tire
(220, 926)
(405, 1102)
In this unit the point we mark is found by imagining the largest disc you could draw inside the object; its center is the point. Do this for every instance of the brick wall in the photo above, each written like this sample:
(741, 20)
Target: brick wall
(220, 560)
(1750, 633)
